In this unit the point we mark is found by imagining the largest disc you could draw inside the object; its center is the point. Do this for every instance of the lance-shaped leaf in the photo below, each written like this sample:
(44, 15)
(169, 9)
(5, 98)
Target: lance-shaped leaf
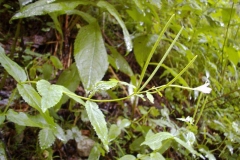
(46, 138)
(51, 94)
(11, 67)
(115, 14)
(98, 122)
(90, 55)
(24, 120)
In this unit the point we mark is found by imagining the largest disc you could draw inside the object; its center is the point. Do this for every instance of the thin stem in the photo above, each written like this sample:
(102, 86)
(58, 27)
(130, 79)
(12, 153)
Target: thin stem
(198, 103)
(201, 111)
(153, 50)
(163, 58)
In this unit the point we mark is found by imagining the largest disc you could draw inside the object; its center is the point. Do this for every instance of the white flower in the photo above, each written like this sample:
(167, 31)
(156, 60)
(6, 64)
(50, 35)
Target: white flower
(203, 88)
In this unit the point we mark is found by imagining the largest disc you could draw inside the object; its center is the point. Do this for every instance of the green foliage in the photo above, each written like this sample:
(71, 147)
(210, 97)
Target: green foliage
(167, 36)
(90, 55)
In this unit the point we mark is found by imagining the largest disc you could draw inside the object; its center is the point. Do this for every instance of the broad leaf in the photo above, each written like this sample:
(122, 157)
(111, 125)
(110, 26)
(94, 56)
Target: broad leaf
(46, 138)
(114, 131)
(142, 47)
(12, 68)
(104, 85)
(69, 78)
(115, 13)
(59, 133)
(155, 141)
(118, 62)
(98, 122)
(24, 119)
(24, 2)
(30, 95)
(90, 55)
(127, 157)
(43, 7)
(156, 156)
(51, 94)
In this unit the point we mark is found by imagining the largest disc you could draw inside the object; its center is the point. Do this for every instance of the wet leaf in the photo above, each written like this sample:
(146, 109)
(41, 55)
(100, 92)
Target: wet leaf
(155, 141)
(51, 94)
(98, 122)
(116, 15)
(23, 119)
(46, 138)
(30, 95)
(90, 55)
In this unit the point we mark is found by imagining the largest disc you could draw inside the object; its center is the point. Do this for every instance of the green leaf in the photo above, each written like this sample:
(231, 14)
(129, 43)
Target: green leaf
(57, 24)
(43, 7)
(155, 141)
(59, 133)
(118, 62)
(24, 2)
(103, 86)
(95, 153)
(51, 94)
(46, 138)
(114, 131)
(150, 97)
(142, 47)
(187, 146)
(12, 68)
(156, 156)
(90, 55)
(2, 118)
(69, 78)
(23, 119)
(124, 123)
(127, 157)
(30, 95)
(115, 14)
(56, 62)
(98, 122)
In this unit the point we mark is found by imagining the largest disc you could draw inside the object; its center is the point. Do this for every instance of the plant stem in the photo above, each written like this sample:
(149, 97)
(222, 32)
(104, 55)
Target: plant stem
(201, 111)
(198, 103)
(152, 51)
(163, 58)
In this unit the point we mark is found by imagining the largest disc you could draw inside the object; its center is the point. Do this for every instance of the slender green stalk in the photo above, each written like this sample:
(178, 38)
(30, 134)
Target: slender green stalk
(179, 74)
(201, 111)
(198, 103)
(160, 63)
(152, 51)
(10, 100)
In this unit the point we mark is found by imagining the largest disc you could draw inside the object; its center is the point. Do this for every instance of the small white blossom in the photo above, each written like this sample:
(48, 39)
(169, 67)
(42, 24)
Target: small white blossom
(203, 88)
